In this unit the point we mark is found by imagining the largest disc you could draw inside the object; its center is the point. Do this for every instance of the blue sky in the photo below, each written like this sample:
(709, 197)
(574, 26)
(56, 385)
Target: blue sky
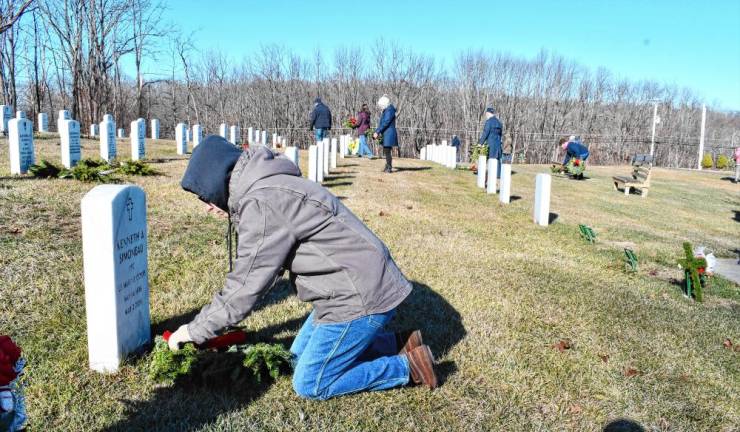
(688, 43)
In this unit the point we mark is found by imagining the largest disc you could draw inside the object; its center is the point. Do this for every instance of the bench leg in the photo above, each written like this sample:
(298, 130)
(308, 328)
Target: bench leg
(615, 186)
(626, 190)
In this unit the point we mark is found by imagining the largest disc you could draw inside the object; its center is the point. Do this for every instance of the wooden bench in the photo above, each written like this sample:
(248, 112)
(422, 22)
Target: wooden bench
(640, 179)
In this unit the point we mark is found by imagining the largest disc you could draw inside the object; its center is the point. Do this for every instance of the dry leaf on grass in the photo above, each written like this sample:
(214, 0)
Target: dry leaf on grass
(563, 345)
(630, 372)
(575, 409)
(382, 213)
(604, 357)
(727, 343)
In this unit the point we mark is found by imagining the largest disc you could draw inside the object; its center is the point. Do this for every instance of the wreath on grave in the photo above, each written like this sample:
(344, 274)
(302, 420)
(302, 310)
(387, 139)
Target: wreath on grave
(12, 403)
(575, 166)
(350, 123)
(226, 357)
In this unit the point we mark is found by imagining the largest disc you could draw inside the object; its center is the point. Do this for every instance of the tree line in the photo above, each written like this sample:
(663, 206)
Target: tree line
(76, 55)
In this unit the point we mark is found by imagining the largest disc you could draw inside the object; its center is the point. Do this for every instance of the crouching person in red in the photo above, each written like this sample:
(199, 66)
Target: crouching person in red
(285, 222)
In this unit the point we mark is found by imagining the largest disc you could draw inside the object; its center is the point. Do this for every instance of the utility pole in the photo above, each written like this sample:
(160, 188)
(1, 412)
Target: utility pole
(656, 120)
(701, 138)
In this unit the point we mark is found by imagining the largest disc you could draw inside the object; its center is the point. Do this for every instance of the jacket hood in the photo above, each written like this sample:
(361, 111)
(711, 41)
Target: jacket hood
(209, 170)
(256, 164)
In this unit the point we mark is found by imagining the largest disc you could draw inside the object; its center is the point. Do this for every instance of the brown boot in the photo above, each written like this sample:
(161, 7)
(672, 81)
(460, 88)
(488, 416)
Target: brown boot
(421, 363)
(408, 340)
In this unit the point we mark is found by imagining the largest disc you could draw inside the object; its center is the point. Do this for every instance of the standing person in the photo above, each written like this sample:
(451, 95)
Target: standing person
(456, 144)
(320, 119)
(492, 133)
(387, 128)
(363, 124)
(737, 164)
(286, 222)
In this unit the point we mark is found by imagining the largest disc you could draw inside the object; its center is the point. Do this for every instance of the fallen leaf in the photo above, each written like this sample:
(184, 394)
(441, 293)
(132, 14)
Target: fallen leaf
(604, 357)
(727, 343)
(409, 207)
(563, 345)
(382, 213)
(630, 372)
(575, 409)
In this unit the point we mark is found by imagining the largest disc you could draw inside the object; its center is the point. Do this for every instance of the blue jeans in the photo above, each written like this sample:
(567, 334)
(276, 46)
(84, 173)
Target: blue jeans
(364, 150)
(321, 134)
(337, 359)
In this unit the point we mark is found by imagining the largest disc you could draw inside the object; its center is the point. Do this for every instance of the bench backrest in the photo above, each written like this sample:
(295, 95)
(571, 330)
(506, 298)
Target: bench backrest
(642, 165)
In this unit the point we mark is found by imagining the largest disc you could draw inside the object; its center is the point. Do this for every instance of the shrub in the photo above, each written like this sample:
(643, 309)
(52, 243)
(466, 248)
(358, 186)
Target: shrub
(707, 161)
(45, 169)
(723, 162)
(131, 167)
(89, 170)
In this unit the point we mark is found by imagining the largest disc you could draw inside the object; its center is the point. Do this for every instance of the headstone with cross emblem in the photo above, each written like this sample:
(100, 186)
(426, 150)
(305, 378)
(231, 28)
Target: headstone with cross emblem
(69, 134)
(114, 247)
(6, 113)
(138, 139)
(20, 137)
(181, 138)
(108, 138)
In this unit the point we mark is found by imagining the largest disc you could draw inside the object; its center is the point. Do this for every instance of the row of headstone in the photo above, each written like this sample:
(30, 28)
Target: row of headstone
(442, 154)
(487, 175)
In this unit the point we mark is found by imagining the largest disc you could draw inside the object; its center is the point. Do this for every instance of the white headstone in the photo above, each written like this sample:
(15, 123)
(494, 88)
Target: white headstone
(333, 156)
(542, 199)
(313, 163)
(481, 183)
(43, 122)
(20, 135)
(197, 135)
(257, 136)
(6, 113)
(250, 135)
(292, 154)
(181, 139)
(320, 162)
(451, 157)
(235, 135)
(94, 129)
(505, 186)
(423, 153)
(263, 140)
(121, 133)
(325, 160)
(492, 176)
(114, 248)
(108, 138)
(138, 137)
(70, 138)
(20, 114)
(155, 128)
(63, 115)
(188, 138)
(284, 142)
(223, 130)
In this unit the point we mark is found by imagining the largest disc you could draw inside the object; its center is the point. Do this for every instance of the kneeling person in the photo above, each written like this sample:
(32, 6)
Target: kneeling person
(285, 222)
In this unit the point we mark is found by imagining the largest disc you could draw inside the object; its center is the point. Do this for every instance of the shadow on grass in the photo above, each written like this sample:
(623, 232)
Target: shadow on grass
(729, 179)
(338, 184)
(220, 386)
(736, 218)
(338, 177)
(623, 425)
(402, 169)
(514, 198)
(552, 217)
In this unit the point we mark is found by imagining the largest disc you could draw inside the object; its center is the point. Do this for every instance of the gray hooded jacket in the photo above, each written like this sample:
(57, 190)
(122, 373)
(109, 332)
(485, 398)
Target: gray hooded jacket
(287, 222)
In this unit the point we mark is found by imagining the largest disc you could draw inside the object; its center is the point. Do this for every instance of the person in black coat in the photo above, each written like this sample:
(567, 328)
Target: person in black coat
(320, 120)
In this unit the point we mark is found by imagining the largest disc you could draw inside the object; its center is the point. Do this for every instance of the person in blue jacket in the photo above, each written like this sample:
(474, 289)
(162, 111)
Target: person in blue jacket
(387, 127)
(574, 149)
(456, 143)
(492, 134)
(320, 120)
